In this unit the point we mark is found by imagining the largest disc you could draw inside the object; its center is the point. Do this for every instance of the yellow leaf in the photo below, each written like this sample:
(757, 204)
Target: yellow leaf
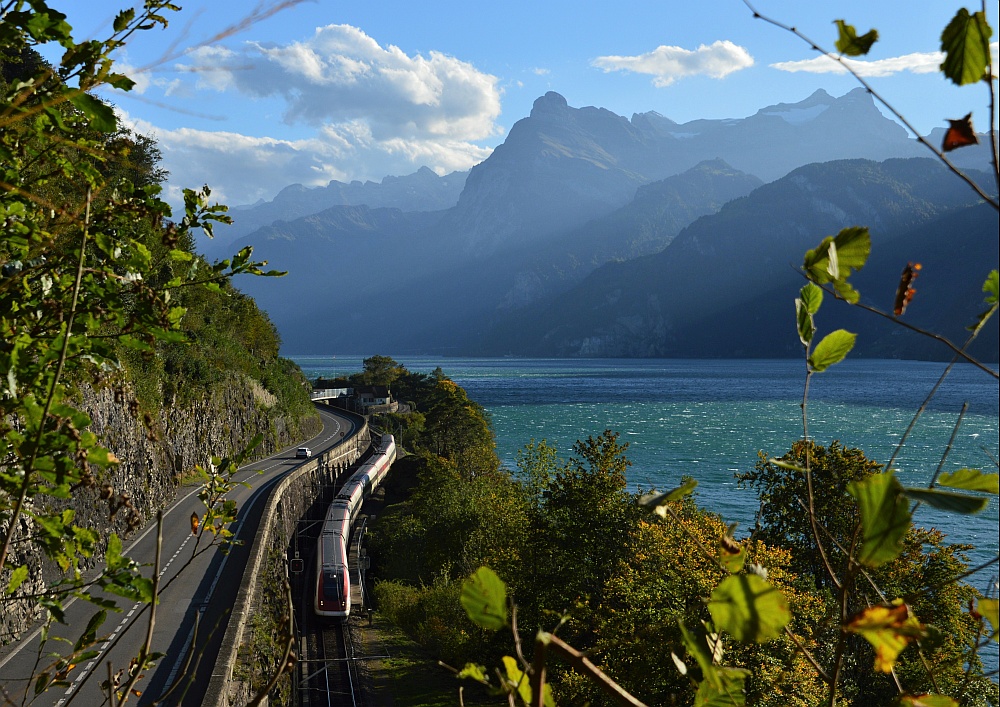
(889, 629)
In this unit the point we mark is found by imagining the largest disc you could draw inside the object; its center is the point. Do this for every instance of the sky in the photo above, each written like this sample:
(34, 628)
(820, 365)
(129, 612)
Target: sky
(250, 96)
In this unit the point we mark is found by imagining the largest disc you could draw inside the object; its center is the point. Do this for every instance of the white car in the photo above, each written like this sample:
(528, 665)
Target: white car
(303, 453)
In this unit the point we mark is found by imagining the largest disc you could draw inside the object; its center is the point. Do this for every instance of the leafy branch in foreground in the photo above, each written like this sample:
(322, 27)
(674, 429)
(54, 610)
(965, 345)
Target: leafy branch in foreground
(965, 43)
(90, 268)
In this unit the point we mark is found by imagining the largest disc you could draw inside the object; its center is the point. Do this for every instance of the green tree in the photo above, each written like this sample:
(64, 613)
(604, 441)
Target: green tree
(921, 571)
(588, 519)
(380, 370)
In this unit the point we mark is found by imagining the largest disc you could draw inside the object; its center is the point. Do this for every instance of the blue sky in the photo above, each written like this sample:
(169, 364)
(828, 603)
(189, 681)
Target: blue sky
(323, 90)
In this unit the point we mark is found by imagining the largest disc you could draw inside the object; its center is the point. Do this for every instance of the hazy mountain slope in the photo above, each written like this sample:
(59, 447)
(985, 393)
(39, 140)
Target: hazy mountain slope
(339, 254)
(429, 294)
(779, 138)
(421, 191)
(733, 271)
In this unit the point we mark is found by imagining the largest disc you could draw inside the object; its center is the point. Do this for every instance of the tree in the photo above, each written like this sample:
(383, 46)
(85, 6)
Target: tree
(918, 571)
(381, 370)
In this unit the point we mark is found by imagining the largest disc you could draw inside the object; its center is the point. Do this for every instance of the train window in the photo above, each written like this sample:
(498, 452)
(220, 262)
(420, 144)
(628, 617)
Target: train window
(333, 584)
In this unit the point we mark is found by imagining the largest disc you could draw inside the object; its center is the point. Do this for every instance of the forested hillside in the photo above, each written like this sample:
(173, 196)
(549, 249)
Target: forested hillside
(128, 360)
(580, 552)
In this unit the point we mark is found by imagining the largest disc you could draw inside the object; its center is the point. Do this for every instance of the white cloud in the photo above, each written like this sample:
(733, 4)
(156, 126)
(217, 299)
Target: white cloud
(917, 63)
(373, 111)
(341, 75)
(241, 169)
(667, 64)
(539, 71)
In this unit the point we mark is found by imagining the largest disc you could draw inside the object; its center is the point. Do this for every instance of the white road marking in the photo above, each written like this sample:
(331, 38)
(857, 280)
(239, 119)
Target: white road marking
(253, 467)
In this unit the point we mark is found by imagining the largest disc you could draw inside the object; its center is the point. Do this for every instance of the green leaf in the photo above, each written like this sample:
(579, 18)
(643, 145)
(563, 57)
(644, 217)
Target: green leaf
(885, 517)
(123, 19)
(812, 297)
(517, 679)
(791, 466)
(835, 257)
(992, 289)
(658, 501)
(89, 636)
(471, 671)
(948, 500)
(732, 556)
(113, 555)
(988, 609)
(699, 651)
(849, 43)
(100, 114)
(102, 457)
(889, 629)
(484, 597)
(804, 322)
(971, 480)
(966, 45)
(728, 692)
(831, 349)
(926, 701)
(17, 577)
(749, 608)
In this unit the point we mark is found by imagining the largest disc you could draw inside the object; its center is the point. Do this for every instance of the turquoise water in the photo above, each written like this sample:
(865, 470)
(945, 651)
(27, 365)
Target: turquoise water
(708, 419)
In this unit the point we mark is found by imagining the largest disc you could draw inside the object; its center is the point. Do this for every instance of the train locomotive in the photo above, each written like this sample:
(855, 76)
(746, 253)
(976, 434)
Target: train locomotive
(333, 582)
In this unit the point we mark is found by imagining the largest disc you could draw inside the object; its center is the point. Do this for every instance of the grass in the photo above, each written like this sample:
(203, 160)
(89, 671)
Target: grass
(410, 678)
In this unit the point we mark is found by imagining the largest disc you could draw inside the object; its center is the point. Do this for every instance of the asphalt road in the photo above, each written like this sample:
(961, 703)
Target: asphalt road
(198, 586)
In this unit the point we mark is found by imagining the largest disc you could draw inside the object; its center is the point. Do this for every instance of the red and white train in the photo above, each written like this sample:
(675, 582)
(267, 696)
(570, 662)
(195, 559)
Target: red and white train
(333, 580)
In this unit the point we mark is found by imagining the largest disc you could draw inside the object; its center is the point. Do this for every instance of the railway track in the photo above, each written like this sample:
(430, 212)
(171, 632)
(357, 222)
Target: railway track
(328, 674)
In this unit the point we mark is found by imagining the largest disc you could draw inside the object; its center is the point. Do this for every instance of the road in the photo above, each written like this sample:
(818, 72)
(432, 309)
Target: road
(199, 586)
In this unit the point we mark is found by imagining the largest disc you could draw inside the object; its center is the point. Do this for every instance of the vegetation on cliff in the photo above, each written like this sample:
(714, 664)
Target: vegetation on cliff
(101, 290)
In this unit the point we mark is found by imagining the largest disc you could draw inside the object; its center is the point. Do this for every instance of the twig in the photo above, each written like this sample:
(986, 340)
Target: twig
(993, 109)
(899, 116)
(809, 485)
(150, 625)
(951, 441)
(286, 659)
(808, 656)
(111, 685)
(579, 661)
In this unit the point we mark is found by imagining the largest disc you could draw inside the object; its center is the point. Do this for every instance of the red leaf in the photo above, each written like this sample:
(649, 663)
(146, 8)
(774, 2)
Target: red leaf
(959, 134)
(905, 291)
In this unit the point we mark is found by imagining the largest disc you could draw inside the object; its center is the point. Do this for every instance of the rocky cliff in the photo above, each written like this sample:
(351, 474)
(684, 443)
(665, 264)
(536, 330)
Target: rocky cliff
(156, 454)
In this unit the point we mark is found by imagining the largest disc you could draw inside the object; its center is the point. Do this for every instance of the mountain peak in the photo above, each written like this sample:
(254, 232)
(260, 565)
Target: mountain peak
(551, 103)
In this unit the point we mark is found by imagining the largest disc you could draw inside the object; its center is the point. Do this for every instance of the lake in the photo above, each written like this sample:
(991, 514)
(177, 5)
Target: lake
(709, 418)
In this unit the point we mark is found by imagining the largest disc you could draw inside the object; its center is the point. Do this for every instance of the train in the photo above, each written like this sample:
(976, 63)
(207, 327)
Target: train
(332, 598)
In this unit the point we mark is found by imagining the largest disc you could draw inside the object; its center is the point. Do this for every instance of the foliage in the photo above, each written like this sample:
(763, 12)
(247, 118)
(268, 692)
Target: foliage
(98, 285)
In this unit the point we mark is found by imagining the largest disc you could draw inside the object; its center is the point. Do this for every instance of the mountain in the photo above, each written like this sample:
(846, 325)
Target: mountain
(421, 191)
(562, 166)
(725, 285)
(348, 255)
(570, 190)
